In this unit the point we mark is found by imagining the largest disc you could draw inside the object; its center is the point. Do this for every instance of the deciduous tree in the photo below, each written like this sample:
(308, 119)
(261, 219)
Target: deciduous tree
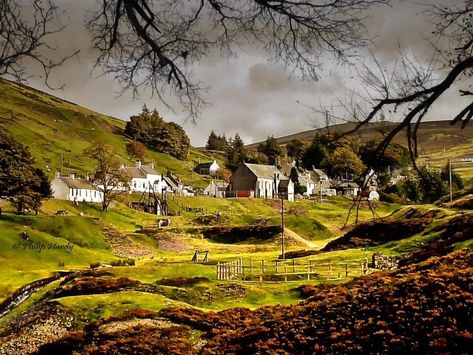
(136, 150)
(111, 180)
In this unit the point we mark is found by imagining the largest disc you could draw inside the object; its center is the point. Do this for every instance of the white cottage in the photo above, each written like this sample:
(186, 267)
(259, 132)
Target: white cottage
(74, 189)
(216, 188)
(210, 168)
(143, 177)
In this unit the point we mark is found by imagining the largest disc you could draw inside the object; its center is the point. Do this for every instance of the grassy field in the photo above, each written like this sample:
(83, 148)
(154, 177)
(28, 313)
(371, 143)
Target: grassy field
(82, 228)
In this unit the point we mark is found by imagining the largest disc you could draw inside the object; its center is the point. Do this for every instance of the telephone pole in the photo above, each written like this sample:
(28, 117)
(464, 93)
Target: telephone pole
(450, 178)
(283, 253)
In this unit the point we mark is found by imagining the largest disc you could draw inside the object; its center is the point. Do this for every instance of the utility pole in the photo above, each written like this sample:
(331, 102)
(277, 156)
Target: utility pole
(283, 254)
(450, 178)
(320, 183)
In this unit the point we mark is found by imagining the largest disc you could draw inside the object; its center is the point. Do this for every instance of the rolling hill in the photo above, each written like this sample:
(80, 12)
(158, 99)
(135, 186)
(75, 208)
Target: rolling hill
(438, 141)
(52, 127)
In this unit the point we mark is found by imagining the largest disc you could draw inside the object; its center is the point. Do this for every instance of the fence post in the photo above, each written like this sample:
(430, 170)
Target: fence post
(293, 266)
(251, 265)
(277, 266)
(308, 272)
(285, 273)
(218, 270)
(346, 270)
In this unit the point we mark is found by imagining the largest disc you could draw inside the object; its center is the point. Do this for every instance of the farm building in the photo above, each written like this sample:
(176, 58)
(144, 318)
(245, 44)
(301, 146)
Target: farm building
(260, 181)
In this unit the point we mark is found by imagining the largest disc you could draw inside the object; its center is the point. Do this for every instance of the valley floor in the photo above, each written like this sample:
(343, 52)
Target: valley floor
(153, 284)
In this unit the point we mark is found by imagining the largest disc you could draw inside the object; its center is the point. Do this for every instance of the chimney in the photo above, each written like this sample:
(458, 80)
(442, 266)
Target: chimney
(152, 165)
(58, 174)
(138, 164)
(72, 176)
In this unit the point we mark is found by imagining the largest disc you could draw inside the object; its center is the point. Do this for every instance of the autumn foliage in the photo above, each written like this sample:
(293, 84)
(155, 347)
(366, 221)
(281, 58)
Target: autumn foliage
(419, 308)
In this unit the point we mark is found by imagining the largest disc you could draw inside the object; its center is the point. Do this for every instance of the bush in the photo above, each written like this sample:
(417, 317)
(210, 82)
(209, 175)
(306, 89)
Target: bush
(94, 265)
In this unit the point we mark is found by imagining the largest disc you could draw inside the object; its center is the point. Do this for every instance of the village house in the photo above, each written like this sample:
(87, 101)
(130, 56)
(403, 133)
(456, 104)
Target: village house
(143, 178)
(260, 181)
(210, 168)
(322, 183)
(216, 188)
(75, 189)
(348, 188)
(306, 182)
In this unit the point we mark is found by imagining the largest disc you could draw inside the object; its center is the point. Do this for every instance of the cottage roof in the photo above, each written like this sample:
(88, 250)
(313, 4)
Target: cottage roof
(220, 184)
(204, 165)
(78, 183)
(305, 179)
(349, 185)
(318, 172)
(170, 182)
(140, 172)
(148, 169)
(135, 172)
(265, 171)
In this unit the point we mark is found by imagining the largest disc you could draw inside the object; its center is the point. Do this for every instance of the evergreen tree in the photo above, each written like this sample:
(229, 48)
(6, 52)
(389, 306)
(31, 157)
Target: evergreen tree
(271, 149)
(165, 137)
(236, 152)
(24, 185)
(295, 150)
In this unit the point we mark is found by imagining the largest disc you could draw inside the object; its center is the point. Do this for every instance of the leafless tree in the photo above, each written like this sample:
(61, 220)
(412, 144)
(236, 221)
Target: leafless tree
(411, 88)
(146, 43)
(25, 29)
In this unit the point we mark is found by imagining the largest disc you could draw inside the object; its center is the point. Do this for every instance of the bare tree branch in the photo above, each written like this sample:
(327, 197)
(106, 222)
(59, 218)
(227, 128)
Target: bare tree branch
(25, 28)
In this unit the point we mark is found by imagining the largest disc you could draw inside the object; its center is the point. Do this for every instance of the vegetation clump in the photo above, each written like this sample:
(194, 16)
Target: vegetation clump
(378, 232)
(182, 281)
(241, 234)
(165, 137)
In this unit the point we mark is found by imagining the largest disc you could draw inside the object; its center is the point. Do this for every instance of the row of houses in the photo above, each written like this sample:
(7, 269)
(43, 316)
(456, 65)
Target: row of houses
(143, 179)
(265, 181)
(249, 180)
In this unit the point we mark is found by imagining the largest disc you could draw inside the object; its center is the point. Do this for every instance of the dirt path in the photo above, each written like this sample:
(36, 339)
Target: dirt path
(293, 235)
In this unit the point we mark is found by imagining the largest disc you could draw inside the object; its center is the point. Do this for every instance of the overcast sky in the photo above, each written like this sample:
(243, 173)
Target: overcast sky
(247, 93)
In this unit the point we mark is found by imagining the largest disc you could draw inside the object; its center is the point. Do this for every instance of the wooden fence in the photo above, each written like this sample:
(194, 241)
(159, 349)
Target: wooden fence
(283, 270)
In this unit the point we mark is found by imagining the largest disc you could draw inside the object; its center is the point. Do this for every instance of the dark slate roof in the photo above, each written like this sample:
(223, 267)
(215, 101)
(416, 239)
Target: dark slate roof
(170, 182)
(204, 165)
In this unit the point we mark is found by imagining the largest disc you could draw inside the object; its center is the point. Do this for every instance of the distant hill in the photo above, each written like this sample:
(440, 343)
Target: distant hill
(432, 135)
(438, 141)
(52, 127)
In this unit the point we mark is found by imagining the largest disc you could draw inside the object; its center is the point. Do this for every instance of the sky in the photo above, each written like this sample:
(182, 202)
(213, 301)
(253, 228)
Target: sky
(247, 93)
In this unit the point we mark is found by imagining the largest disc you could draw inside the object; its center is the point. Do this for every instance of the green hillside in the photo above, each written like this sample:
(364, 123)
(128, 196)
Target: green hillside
(438, 141)
(50, 127)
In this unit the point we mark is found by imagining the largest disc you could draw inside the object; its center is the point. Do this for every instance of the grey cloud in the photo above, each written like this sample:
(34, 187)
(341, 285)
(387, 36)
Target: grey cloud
(247, 94)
